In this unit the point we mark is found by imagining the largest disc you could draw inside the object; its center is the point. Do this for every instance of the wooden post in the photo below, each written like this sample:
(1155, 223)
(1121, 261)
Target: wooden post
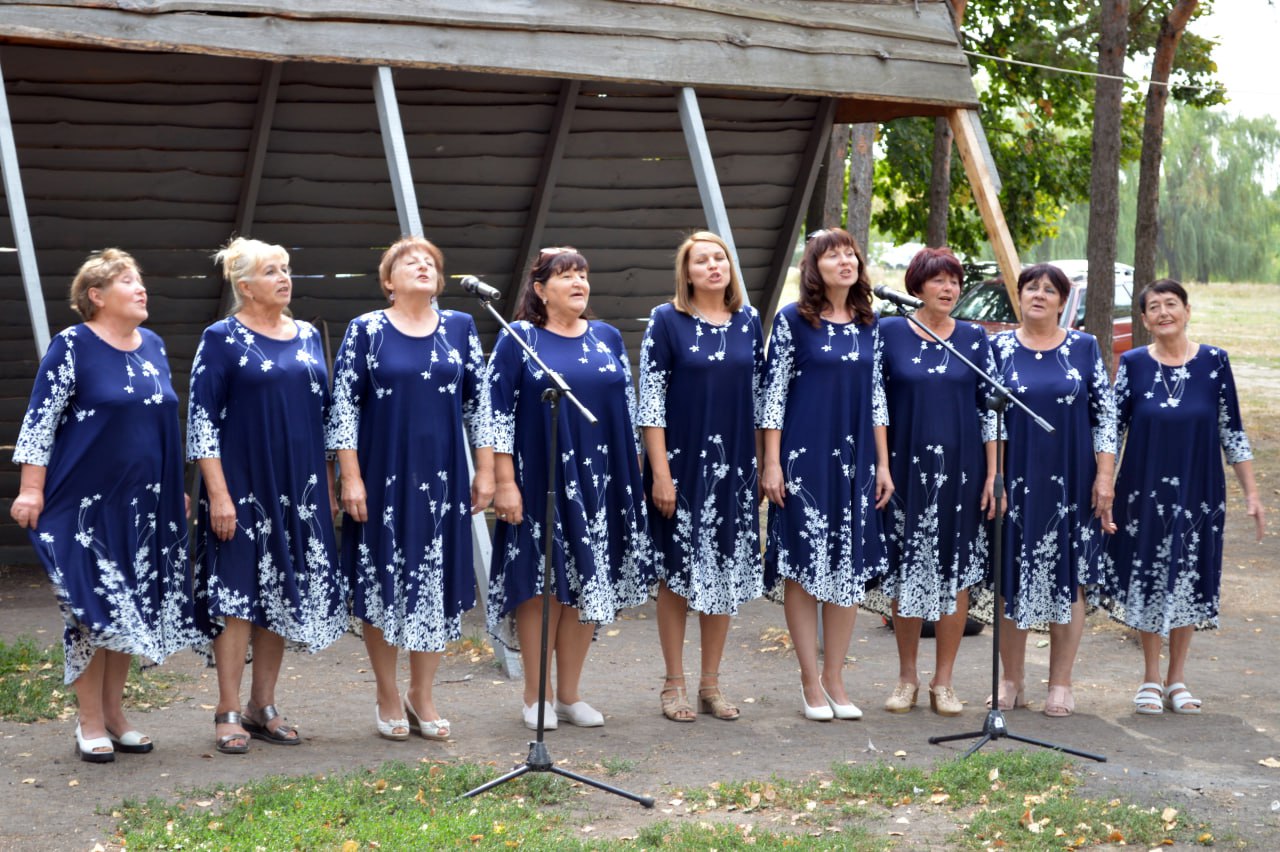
(704, 171)
(982, 179)
(384, 93)
(22, 239)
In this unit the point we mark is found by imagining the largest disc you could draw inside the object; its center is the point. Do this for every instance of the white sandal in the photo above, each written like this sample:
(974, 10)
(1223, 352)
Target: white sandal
(390, 729)
(1150, 699)
(1183, 702)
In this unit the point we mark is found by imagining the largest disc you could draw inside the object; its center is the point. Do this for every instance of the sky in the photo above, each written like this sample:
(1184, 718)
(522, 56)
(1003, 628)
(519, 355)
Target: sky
(1248, 32)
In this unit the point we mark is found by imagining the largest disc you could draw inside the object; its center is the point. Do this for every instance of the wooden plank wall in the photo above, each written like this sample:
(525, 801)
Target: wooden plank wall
(147, 152)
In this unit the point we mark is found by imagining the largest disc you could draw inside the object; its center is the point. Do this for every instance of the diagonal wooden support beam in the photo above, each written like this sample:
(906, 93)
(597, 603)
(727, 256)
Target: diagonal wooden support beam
(810, 165)
(548, 176)
(393, 143)
(22, 239)
(970, 141)
(704, 171)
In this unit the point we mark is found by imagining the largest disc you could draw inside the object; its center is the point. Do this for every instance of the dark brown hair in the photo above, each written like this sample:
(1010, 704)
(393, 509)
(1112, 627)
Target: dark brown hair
(1164, 285)
(813, 292)
(1057, 279)
(929, 263)
(550, 261)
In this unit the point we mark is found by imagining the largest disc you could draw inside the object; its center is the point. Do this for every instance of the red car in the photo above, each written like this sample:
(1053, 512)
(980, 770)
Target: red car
(988, 304)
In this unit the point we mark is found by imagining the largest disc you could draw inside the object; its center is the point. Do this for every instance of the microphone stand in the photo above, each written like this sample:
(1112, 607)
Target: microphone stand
(995, 727)
(539, 759)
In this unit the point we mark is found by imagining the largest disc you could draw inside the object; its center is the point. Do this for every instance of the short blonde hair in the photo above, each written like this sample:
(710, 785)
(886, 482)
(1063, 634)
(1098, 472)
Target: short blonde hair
(684, 285)
(99, 270)
(399, 249)
(240, 259)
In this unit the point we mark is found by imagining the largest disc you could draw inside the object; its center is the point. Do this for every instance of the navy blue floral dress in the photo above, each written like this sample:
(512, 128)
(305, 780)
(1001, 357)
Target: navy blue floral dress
(702, 384)
(259, 404)
(825, 390)
(938, 424)
(401, 402)
(1165, 567)
(600, 546)
(1052, 541)
(113, 532)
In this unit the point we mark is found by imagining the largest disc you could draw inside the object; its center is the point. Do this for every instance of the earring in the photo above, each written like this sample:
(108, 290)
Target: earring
(544, 301)
(391, 297)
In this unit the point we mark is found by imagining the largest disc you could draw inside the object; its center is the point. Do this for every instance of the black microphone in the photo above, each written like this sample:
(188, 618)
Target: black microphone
(476, 287)
(897, 298)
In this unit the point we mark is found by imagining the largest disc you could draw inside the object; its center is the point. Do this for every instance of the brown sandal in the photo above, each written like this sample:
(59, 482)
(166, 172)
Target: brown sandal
(711, 700)
(675, 701)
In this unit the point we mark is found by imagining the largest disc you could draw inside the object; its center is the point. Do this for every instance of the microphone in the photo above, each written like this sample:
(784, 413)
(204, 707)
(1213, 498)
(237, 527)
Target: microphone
(476, 287)
(897, 298)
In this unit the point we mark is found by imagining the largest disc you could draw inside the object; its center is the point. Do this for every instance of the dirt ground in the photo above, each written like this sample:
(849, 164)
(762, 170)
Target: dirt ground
(1207, 766)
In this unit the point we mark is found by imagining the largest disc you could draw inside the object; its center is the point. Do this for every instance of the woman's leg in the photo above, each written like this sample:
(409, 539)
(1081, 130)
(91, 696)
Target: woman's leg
(1151, 644)
(268, 657)
(88, 689)
(801, 611)
(948, 631)
(114, 676)
(382, 659)
(837, 633)
(906, 634)
(573, 641)
(422, 674)
(229, 649)
(1064, 644)
(672, 617)
(1013, 649)
(529, 633)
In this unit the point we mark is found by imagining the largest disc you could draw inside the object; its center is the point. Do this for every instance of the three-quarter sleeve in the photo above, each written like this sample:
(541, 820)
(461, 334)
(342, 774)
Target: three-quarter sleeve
(879, 402)
(985, 357)
(477, 413)
(505, 365)
(655, 372)
(757, 368)
(1102, 403)
(207, 399)
(1235, 443)
(52, 394)
(625, 363)
(779, 371)
(1124, 402)
(350, 380)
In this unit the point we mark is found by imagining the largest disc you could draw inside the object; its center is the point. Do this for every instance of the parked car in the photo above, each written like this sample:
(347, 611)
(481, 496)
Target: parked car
(988, 304)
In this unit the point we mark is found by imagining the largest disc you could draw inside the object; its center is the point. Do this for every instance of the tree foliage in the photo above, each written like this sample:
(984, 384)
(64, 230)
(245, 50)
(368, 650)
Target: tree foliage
(1037, 121)
(1219, 201)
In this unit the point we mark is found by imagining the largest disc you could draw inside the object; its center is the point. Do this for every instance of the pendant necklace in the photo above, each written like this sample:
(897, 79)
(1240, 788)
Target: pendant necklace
(1179, 377)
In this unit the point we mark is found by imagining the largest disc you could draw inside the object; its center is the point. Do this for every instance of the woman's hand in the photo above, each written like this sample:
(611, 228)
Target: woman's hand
(988, 505)
(222, 516)
(1254, 507)
(884, 485)
(26, 507)
(1104, 494)
(664, 495)
(354, 497)
(508, 505)
(481, 490)
(772, 482)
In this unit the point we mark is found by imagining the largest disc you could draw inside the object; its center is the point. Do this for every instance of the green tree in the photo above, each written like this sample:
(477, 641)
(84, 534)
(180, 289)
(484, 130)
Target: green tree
(1037, 121)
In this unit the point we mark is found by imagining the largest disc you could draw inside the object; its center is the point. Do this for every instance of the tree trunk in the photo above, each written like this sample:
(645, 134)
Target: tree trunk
(826, 204)
(861, 164)
(1104, 184)
(935, 229)
(1145, 231)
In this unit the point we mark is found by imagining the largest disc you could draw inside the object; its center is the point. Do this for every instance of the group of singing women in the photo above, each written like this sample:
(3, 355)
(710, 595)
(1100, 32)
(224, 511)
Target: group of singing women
(873, 446)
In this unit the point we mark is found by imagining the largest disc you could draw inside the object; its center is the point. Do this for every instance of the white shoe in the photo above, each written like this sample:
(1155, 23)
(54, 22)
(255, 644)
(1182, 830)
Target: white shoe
(530, 715)
(840, 711)
(580, 713)
(821, 713)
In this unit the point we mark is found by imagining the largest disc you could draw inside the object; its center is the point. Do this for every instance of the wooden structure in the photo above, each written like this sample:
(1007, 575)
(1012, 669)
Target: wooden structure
(332, 126)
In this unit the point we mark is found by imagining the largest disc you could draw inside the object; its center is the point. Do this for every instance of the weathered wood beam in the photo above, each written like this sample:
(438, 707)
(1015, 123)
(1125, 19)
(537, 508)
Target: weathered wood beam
(548, 176)
(810, 165)
(397, 151)
(983, 180)
(22, 239)
(263, 117)
(704, 172)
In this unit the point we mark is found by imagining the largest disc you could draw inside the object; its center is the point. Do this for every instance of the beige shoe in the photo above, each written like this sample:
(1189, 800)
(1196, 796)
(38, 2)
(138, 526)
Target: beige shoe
(943, 701)
(903, 698)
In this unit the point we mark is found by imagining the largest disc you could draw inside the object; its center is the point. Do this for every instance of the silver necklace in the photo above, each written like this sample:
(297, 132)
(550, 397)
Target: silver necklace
(1179, 377)
(699, 315)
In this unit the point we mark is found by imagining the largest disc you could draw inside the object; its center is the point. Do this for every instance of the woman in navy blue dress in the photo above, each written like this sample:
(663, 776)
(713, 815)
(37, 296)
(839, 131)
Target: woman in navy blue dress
(600, 542)
(1061, 485)
(101, 494)
(701, 374)
(264, 535)
(826, 463)
(407, 380)
(1179, 415)
(942, 455)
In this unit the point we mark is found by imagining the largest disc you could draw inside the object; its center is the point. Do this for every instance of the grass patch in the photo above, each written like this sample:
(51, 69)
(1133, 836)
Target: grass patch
(31, 687)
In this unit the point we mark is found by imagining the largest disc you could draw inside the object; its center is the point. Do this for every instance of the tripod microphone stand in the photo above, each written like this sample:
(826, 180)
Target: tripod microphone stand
(995, 727)
(539, 759)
